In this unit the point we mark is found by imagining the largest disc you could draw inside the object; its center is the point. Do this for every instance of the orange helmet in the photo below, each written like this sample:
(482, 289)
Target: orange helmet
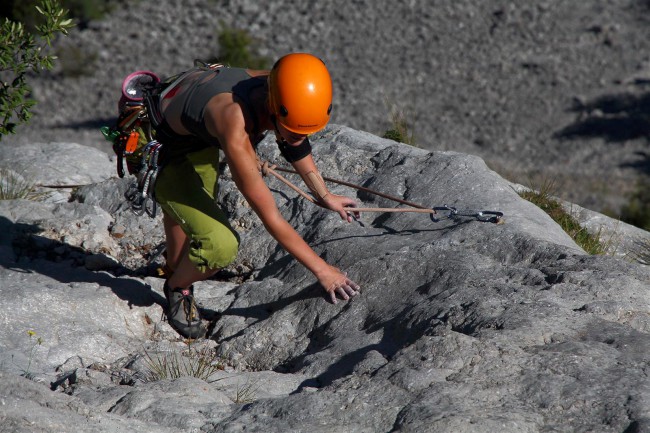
(300, 93)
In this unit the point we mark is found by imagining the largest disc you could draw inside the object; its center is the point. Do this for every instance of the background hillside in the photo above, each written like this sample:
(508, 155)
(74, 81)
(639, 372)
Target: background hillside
(552, 89)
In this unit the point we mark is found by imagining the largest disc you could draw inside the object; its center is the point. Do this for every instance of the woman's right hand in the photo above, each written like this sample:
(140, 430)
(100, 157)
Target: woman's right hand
(336, 283)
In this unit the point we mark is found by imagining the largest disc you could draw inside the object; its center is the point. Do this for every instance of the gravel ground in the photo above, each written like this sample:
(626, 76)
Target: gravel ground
(553, 89)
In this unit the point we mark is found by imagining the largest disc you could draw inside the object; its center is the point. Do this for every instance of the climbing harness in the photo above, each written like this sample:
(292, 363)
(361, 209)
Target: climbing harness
(129, 136)
(142, 160)
(446, 212)
(132, 130)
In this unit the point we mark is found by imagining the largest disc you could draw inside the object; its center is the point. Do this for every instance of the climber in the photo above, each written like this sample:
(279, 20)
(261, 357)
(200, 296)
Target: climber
(214, 107)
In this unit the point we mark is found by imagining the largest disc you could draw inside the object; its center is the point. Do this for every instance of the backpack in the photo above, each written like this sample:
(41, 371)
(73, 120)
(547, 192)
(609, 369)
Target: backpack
(133, 139)
(139, 115)
(134, 134)
(132, 130)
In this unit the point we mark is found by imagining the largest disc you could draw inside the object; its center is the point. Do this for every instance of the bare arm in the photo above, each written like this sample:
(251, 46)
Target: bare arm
(242, 161)
(314, 181)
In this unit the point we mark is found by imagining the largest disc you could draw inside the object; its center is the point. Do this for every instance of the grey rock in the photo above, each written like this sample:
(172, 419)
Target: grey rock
(249, 386)
(59, 165)
(28, 407)
(109, 194)
(74, 312)
(461, 325)
(58, 227)
(182, 403)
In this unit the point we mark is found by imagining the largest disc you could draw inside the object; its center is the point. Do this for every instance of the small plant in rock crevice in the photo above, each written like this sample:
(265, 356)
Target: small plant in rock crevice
(401, 129)
(543, 198)
(246, 392)
(200, 363)
(13, 186)
(36, 342)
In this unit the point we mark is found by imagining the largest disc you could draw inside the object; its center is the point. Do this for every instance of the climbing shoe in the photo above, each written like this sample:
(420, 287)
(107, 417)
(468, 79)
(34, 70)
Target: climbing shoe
(182, 312)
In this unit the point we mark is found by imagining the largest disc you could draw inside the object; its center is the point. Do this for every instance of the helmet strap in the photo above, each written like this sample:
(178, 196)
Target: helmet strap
(274, 120)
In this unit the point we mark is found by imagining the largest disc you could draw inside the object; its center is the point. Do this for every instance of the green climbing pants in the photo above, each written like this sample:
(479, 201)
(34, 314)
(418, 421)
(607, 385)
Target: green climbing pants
(186, 189)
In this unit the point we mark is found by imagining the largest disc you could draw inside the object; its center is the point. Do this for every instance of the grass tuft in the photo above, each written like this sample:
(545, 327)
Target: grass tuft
(199, 363)
(401, 129)
(246, 392)
(13, 186)
(543, 198)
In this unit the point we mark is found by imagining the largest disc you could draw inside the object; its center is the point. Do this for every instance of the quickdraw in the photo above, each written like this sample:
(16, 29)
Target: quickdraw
(489, 216)
(450, 212)
(141, 191)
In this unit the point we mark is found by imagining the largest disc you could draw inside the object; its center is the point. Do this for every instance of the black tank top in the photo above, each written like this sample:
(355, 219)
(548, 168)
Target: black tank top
(213, 82)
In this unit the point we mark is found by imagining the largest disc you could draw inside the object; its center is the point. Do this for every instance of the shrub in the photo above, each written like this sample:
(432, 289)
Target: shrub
(22, 52)
(88, 10)
(82, 11)
(238, 48)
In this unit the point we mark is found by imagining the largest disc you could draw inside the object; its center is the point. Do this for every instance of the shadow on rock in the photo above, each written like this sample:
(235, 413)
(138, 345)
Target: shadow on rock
(397, 333)
(28, 252)
(261, 312)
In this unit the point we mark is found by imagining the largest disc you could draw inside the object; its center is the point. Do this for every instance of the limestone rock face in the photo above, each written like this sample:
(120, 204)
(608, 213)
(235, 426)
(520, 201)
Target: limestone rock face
(58, 165)
(461, 325)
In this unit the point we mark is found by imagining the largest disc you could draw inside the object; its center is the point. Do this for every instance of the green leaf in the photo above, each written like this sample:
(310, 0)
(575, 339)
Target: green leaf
(22, 51)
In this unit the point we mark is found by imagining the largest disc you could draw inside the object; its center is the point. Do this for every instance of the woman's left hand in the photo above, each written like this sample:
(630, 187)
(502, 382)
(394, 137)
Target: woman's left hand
(337, 283)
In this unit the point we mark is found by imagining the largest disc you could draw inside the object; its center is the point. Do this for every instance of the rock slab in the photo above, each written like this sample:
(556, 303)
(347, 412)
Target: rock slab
(461, 326)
